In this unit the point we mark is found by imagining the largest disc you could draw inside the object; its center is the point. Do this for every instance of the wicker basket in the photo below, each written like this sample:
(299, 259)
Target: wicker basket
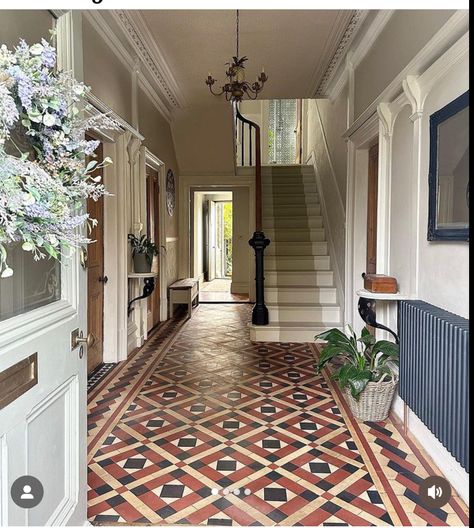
(374, 402)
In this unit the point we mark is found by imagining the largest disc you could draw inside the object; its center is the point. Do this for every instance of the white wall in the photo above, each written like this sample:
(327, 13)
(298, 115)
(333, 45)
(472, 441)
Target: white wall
(326, 121)
(436, 272)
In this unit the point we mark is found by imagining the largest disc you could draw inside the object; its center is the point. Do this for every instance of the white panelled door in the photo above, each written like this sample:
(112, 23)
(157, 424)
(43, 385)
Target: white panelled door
(43, 426)
(43, 430)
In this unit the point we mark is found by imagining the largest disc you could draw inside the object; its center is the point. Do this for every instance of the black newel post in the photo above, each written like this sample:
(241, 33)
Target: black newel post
(260, 311)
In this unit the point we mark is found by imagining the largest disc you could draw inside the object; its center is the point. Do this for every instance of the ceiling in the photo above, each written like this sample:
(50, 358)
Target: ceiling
(294, 46)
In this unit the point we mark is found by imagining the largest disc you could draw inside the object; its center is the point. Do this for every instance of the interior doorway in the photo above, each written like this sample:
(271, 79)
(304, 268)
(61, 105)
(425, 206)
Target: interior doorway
(152, 220)
(212, 253)
(372, 198)
(96, 280)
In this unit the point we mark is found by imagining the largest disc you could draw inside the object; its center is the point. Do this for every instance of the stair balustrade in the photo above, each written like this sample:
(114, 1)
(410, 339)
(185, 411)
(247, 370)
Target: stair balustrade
(258, 241)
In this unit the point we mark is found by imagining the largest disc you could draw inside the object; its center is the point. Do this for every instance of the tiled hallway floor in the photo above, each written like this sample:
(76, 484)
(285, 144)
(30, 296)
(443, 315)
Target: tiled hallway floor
(203, 408)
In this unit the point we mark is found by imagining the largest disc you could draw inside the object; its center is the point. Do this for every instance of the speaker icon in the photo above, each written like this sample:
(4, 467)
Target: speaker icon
(435, 492)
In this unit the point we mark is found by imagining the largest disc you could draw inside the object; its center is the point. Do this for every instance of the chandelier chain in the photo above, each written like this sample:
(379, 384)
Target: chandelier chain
(237, 23)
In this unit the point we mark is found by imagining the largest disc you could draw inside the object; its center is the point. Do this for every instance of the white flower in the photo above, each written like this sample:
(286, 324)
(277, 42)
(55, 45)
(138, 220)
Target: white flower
(78, 89)
(28, 199)
(7, 272)
(52, 240)
(36, 49)
(27, 246)
(49, 119)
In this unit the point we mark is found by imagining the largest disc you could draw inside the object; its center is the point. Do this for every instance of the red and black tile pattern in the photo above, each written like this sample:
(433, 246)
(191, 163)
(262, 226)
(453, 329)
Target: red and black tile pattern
(207, 415)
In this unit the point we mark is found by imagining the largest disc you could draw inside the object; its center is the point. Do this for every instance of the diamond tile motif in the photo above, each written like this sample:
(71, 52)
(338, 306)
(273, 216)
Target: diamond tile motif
(211, 410)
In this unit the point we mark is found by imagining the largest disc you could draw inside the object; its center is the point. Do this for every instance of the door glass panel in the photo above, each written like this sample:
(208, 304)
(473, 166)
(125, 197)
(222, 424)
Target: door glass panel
(32, 285)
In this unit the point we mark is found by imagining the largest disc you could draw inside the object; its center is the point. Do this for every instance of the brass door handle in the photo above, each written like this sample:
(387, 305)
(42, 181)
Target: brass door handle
(88, 341)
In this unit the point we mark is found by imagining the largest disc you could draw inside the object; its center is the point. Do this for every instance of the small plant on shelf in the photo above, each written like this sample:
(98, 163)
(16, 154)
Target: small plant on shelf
(143, 251)
(367, 370)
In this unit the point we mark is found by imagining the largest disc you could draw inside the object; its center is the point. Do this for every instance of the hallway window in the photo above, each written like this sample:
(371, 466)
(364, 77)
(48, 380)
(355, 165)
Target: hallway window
(282, 127)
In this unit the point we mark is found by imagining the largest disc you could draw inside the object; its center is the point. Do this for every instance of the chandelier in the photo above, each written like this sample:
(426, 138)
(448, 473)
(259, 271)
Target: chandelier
(236, 88)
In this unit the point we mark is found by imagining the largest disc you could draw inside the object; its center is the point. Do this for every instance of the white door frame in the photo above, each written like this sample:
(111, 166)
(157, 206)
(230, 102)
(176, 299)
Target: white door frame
(189, 182)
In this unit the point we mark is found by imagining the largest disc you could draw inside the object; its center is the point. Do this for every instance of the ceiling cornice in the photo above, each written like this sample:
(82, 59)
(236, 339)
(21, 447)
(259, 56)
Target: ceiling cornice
(114, 41)
(150, 55)
(351, 30)
(341, 22)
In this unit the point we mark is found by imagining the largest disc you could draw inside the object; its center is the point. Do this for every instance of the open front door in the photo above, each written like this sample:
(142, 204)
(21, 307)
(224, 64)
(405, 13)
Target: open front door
(43, 390)
(43, 431)
(212, 240)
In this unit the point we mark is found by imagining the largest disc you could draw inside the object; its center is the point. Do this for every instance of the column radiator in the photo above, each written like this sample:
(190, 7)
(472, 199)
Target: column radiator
(434, 372)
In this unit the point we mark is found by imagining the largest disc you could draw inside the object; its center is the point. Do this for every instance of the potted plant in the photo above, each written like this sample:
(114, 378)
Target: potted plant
(143, 251)
(367, 371)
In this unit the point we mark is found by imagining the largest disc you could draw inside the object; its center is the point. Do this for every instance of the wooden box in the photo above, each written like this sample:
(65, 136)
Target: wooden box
(380, 283)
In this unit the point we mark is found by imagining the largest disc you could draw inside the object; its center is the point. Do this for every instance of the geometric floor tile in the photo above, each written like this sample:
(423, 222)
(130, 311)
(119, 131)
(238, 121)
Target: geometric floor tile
(201, 426)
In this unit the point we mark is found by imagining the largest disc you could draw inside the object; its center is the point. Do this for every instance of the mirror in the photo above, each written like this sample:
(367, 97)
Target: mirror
(449, 172)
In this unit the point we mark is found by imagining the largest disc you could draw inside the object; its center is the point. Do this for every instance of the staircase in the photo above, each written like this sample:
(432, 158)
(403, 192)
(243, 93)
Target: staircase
(299, 285)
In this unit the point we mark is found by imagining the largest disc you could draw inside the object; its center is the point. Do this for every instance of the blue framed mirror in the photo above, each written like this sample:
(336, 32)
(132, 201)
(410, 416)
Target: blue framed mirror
(448, 216)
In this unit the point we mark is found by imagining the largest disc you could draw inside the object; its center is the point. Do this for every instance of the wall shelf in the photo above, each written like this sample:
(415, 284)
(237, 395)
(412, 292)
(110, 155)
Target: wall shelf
(142, 275)
(382, 296)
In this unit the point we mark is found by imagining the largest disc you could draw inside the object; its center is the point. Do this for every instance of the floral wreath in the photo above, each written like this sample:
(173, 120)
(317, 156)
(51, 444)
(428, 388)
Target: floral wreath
(42, 191)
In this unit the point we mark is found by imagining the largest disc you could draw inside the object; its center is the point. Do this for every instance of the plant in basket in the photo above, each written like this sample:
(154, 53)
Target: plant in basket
(367, 370)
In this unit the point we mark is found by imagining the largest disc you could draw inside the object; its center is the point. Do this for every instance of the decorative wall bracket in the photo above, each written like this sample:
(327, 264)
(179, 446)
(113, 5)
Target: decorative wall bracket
(367, 312)
(148, 289)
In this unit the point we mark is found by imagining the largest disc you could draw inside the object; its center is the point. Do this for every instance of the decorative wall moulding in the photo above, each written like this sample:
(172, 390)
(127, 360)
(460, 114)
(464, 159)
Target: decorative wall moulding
(354, 25)
(437, 55)
(143, 43)
(129, 60)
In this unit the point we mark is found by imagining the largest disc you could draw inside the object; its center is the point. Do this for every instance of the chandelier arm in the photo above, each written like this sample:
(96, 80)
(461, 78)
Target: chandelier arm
(216, 93)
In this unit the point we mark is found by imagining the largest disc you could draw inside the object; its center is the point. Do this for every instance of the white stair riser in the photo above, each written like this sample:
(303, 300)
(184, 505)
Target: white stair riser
(304, 314)
(313, 279)
(296, 235)
(260, 334)
(293, 263)
(293, 221)
(300, 295)
(282, 210)
(297, 248)
(287, 199)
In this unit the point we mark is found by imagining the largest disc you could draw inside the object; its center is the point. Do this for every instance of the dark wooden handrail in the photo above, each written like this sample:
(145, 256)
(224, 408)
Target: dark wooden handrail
(258, 164)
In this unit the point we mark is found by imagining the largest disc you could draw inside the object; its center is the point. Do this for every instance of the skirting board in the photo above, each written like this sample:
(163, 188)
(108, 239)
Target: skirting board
(450, 468)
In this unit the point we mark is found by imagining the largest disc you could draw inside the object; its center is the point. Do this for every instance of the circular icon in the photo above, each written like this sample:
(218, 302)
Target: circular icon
(435, 492)
(27, 491)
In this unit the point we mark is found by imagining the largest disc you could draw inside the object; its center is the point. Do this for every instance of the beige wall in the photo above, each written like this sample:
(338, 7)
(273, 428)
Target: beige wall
(203, 138)
(32, 26)
(405, 34)
(159, 141)
(110, 80)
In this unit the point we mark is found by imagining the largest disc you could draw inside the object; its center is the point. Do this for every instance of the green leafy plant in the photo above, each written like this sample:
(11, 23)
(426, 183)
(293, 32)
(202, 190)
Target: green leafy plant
(143, 245)
(364, 359)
